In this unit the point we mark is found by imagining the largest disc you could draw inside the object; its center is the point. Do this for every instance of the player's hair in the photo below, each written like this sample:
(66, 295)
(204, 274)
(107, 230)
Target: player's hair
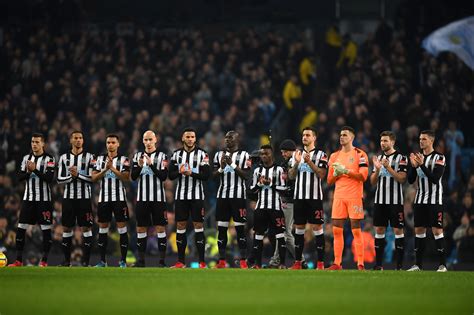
(188, 129)
(38, 135)
(388, 133)
(113, 135)
(315, 133)
(74, 132)
(429, 133)
(348, 128)
(266, 147)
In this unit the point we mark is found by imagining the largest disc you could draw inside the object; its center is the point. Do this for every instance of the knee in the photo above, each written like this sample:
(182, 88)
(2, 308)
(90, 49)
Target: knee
(181, 225)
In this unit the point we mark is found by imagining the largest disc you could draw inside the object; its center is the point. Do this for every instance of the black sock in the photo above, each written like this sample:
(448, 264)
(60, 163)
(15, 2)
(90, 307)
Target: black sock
(181, 243)
(400, 251)
(47, 241)
(162, 244)
(419, 250)
(282, 249)
(299, 246)
(123, 246)
(440, 247)
(241, 240)
(102, 244)
(379, 251)
(66, 245)
(141, 247)
(200, 244)
(257, 251)
(222, 241)
(20, 243)
(86, 248)
(320, 245)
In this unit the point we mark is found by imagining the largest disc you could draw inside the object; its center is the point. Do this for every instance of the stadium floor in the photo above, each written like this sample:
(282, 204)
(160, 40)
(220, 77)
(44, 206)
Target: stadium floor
(56, 290)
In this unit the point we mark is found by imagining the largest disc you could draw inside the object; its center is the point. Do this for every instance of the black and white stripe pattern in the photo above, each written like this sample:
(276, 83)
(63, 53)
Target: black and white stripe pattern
(80, 187)
(188, 187)
(150, 187)
(37, 189)
(389, 191)
(232, 185)
(307, 182)
(430, 193)
(111, 187)
(269, 196)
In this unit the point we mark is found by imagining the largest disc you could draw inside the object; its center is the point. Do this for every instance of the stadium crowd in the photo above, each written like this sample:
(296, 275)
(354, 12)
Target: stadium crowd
(128, 80)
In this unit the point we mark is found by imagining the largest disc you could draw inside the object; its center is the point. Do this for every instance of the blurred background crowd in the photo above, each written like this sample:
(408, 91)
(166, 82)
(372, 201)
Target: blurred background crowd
(265, 80)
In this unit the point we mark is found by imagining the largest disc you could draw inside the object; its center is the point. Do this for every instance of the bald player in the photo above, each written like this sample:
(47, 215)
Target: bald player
(348, 170)
(150, 169)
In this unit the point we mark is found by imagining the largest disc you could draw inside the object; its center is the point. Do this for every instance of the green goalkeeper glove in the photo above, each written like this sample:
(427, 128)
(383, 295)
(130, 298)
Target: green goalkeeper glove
(339, 169)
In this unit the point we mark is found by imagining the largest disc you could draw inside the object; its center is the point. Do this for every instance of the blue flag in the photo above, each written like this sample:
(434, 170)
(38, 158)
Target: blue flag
(456, 37)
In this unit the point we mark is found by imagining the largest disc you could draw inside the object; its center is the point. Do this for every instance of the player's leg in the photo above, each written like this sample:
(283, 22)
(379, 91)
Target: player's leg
(68, 221)
(160, 220)
(421, 219)
(85, 220)
(278, 221)
(380, 222)
(316, 219)
(339, 216)
(182, 210)
(45, 219)
(260, 226)
(223, 213)
(121, 217)
(26, 217)
(239, 214)
(143, 216)
(436, 218)
(398, 223)
(300, 227)
(356, 214)
(197, 214)
(104, 214)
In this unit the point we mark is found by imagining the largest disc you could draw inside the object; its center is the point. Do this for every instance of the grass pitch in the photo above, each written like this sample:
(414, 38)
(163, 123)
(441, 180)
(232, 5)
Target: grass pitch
(130, 291)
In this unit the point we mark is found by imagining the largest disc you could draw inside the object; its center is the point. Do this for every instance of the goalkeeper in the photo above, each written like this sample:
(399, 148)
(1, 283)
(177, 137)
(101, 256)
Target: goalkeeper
(348, 169)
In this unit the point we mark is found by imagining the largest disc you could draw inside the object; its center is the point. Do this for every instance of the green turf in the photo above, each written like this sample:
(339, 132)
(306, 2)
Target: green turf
(232, 291)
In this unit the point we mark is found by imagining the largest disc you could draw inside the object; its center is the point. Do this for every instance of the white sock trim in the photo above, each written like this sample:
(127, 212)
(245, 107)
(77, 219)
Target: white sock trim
(259, 237)
(239, 223)
(318, 232)
(280, 235)
(437, 237)
(421, 235)
(199, 230)
(161, 235)
(299, 231)
(87, 234)
(103, 230)
(399, 236)
(122, 230)
(141, 235)
(45, 227)
(181, 231)
(379, 235)
(23, 226)
(223, 223)
(67, 234)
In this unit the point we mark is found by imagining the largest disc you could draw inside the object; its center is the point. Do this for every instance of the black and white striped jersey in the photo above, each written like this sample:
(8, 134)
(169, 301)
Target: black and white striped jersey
(232, 185)
(79, 187)
(269, 195)
(307, 182)
(37, 182)
(389, 191)
(151, 178)
(428, 177)
(111, 187)
(190, 187)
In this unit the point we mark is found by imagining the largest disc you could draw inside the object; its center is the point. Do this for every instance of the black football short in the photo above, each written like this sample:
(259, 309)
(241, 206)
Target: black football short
(150, 213)
(33, 212)
(385, 214)
(231, 208)
(264, 219)
(182, 209)
(308, 211)
(118, 208)
(77, 210)
(428, 215)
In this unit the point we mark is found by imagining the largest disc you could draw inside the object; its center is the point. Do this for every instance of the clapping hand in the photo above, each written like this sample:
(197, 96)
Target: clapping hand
(377, 163)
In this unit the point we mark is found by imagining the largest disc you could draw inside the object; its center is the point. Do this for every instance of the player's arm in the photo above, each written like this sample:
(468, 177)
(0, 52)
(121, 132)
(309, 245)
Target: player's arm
(256, 182)
(400, 175)
(173, 172)
(438, 170)
(204, 172)
(218, 165)
(98, 173)
(48, 175)
(124, 174)
(322, 168)
(294, 163)
(136, 167)
(23, 173)
(162, 172)
(64, 176)
(331, 179)
(363, 172)
(280, 184)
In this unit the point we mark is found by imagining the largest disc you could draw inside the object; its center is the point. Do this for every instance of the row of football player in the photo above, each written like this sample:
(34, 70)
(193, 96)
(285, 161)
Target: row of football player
(348, 169)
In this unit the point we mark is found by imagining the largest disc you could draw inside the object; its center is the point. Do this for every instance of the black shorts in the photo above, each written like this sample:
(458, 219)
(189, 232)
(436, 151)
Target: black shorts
(234, 208)
(182, 208)
(383, 214)
(33, 212)
(118, 208)
(308, 211)
(150, 213)
(264, 219)
(77, 210)
(428, 215)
